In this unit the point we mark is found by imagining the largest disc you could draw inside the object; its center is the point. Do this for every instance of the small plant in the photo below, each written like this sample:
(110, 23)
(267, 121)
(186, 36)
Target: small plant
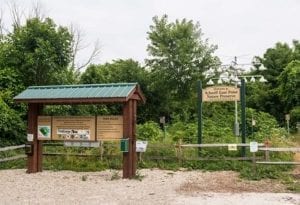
(115, 175)
(84, 178)
(138, 176)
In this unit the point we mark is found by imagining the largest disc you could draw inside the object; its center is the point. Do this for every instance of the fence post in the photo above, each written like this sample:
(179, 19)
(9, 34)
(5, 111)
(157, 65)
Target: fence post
(180, 152)
(267, 152)
(101, 150)
(254, 162)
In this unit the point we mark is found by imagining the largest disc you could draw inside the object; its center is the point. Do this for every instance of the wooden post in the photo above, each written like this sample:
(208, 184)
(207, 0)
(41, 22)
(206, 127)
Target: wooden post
(101, 149)
(180, 152)
(267, 152)
(34, 161)
(133, 151)
(130, 157)
(254, 161)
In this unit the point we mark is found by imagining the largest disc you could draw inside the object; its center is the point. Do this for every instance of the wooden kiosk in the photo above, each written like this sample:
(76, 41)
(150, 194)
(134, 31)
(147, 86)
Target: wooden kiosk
(127, 94)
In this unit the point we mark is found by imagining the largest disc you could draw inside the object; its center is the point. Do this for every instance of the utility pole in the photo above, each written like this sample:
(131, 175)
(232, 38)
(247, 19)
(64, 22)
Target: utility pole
(236, 123)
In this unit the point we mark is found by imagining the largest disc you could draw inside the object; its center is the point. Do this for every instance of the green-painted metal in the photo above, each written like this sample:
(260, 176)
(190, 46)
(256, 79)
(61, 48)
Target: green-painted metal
(243, 115)
(124, 145)
(199, 90)
(114, 90)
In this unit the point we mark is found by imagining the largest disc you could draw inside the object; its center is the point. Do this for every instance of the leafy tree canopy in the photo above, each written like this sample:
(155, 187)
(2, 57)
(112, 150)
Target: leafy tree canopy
(39, 52)
(177, 57)
(289, 87)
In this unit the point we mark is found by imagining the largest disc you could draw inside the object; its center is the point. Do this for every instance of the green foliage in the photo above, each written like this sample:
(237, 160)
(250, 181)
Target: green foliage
(186, 132)
(177, 57)
(289, 86)
(280, 94)
(14, 164)
(39, 52)
(12, 127)
(82, 110)
(149, 131)
(122, 71)
(264, 126)
(295, 116)
(275, 60)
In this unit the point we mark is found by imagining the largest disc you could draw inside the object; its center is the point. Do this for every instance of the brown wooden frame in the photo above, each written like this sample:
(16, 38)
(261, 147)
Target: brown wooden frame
(35, 106)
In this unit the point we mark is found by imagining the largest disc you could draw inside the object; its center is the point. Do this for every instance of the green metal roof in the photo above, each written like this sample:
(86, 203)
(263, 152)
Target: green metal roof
(84, 92)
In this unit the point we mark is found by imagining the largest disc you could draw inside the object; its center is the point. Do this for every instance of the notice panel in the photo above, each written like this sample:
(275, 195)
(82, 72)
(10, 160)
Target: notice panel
(73, 128)
(109, 127)
(44, 127)
(220, 93)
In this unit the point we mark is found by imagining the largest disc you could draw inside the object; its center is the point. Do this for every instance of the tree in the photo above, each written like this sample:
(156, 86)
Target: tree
(177, 58)
(289, 87)
(122, 71)
(12, 127)
(39, 52)
(275, 60)
(118, 71)
(275, 97)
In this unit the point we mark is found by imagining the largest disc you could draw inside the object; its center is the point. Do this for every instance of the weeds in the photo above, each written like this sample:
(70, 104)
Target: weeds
(84, 178)
(115, 175)
(138, 176)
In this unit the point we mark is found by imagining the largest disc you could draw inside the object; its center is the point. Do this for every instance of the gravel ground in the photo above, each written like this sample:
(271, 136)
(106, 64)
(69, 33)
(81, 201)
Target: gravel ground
(156, 187)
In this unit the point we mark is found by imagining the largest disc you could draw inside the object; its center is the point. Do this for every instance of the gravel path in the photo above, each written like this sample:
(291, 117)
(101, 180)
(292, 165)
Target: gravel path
(156, 187)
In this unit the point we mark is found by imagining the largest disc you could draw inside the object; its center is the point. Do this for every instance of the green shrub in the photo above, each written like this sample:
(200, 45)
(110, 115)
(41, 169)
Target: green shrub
(149, 131)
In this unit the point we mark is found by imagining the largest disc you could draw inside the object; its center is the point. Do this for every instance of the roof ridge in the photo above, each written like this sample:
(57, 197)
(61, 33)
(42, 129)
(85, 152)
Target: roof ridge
(83, 85)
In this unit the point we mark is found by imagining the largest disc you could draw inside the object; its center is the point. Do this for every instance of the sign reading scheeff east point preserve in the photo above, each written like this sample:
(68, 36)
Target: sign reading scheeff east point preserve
(220, 93)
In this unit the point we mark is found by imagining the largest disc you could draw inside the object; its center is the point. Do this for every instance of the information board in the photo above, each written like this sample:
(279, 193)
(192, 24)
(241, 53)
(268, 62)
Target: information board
(109, 127)
(73, 128)
(220, 93)
(80, 128)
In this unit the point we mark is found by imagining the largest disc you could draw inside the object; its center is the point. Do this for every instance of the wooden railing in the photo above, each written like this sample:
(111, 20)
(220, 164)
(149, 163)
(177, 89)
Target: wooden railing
(20, 156)
(261, 147)
(179, 147)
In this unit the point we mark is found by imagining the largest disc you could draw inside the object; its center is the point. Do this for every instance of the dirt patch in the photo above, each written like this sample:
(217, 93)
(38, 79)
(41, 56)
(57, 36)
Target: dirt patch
(228, 181)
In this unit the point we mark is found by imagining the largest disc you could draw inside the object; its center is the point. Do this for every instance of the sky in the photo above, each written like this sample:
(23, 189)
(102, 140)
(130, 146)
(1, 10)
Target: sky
(242, 28)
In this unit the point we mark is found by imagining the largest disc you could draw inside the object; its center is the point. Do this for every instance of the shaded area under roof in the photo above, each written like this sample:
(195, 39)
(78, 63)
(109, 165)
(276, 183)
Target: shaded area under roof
(84, 93)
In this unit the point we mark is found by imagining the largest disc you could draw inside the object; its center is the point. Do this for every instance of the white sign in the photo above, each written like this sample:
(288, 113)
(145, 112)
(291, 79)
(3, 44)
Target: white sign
(287, 117)
(253, 146)
(141, 146)
(29, 137)
(81, 144)
(162, 120)
(232, 147)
